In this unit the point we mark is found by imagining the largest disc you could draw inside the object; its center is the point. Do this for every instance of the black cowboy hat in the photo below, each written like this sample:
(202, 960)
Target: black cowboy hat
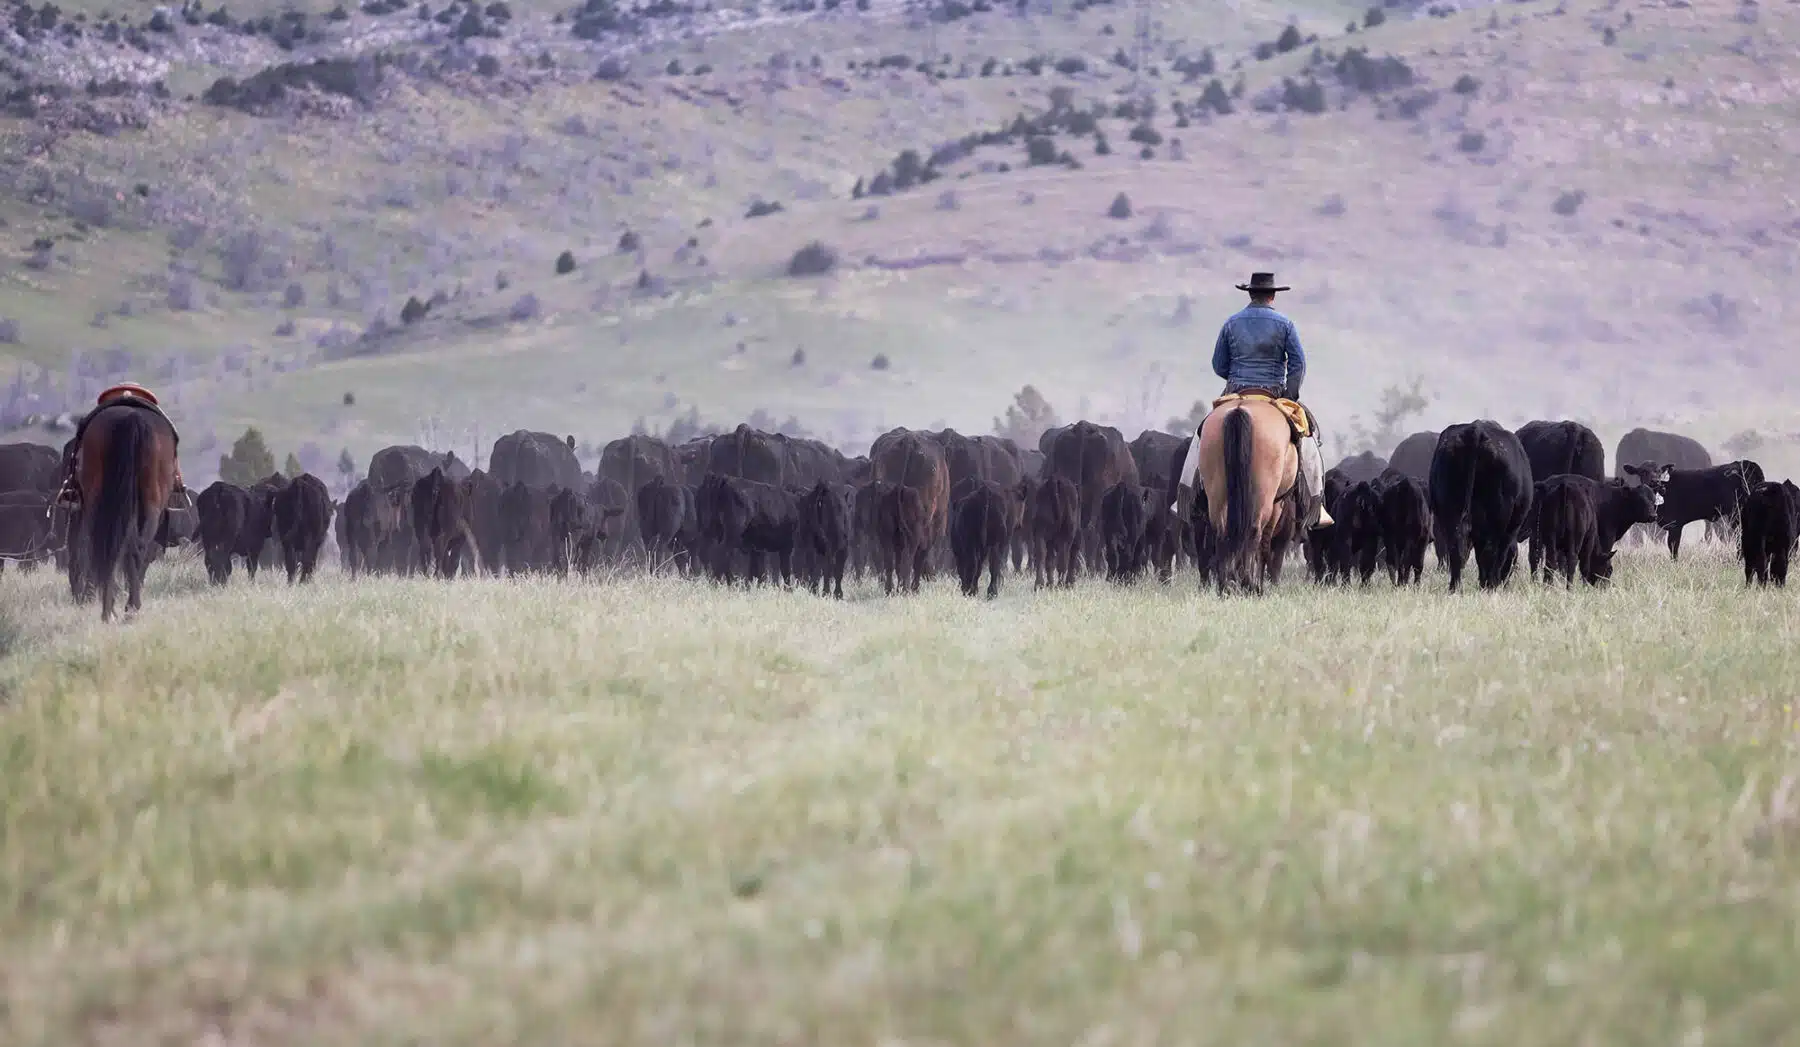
(1261, 282)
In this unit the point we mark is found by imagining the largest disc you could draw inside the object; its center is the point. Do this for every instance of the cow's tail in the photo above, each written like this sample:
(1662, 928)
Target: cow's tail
(1239, 438)
(118, 507)
(1572, 445)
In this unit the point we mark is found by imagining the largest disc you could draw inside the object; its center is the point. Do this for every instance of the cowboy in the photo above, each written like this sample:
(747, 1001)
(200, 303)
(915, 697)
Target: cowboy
(1259, 350)
(128, 392)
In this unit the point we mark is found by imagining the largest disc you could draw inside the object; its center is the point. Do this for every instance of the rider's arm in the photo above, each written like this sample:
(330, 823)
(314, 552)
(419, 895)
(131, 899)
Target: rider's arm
(1296, 362)
(1222, 353)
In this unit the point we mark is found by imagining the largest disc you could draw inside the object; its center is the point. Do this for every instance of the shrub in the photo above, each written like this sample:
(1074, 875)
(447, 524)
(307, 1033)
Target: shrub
(815, 259)
(1040, 149)
(1373, 17)
(9, 331)
(1570, 202)
(1072, 65)
(760, 208)
(798, 359)
(1101, 146)
(947, 200)
(880, 363)
(1304, 97)
(1216, 98)
(182, 296)
(1355, 69)
(249, 461)
(1288, 40)
(1082, 123)
(565, 264)
(295, 296)
(629, 242)
(1471, 142)
(525, 308)
(1146, 135)
(1121, 207)
(413, 311)
(285, 329)
(487, 65)
(1466, 85)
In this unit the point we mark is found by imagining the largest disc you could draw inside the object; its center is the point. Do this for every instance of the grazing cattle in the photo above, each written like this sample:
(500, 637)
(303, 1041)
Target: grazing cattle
(1614, 507)
(403, 465)
(1358, 530)
(578, 529)
(1093, 458)
(1405, 526)
(915, 460)
(1770, 527)
(302, 511)
(1480, 491)
(667, 524)
(442, 524)
(632, 462)
(1055, 528)
(903, 532)
(1323, 548)
(224, 511)
(1413, 455)
(535, 460)
(1359, 467)
(481, 493)
(1690, 495)
(30, 467)
(745, 516)
(28, 529)
(826, 531)
(526, 540)
(1650, 447)
(1159, 457)
(608, 494)
(981, 526)
(1124, 530)
(748, 454)
(378, 526)
(1562, 448)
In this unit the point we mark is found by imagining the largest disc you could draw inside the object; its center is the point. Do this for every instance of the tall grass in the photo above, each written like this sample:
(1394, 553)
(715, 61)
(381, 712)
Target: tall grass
(654, 812)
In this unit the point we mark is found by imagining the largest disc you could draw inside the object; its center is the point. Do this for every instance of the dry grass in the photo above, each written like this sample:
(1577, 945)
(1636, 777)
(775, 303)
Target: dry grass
(651, 812)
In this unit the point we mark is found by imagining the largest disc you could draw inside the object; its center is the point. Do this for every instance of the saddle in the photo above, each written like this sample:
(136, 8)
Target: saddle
(1299, 418)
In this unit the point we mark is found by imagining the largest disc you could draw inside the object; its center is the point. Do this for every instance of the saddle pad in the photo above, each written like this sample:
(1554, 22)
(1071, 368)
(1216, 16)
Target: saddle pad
(1296, 415)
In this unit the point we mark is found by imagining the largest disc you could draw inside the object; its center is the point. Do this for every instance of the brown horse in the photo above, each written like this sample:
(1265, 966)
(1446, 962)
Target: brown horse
(125, 475)
(1247, 466)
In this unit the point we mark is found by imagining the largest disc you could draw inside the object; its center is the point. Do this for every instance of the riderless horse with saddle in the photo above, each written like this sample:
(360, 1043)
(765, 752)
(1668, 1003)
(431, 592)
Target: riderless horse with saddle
(1256, 454)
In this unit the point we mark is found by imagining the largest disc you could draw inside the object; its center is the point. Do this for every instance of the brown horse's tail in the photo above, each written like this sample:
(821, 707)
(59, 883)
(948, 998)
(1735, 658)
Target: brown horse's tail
(118, 505)
(1239, 438)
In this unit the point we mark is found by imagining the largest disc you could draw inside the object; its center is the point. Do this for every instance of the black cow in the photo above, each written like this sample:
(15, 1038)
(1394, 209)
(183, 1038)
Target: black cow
(756, 519)
(1558, 448)
(1480, 492)
(1413, 455)
(578, 530)
(1771, 526)
(1650, 446)
(1323, 548)
(1613, 506)
(903, 531)
(1358, 531)
(526, 540)
(1359, 467)
(29, 532)
(302, 512)
(667, 524)
(981, 514)
(1055, 529)
(30, 467)
(223, 510)
(1690, 495)
(1124, 530)
(442, 525)
(826, 531)
(1405, 526)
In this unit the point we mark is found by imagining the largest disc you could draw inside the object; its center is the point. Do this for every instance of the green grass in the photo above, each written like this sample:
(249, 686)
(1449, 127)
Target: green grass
(653, 812)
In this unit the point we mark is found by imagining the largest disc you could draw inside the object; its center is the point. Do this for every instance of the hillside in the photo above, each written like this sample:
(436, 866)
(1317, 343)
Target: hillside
(1575, 209)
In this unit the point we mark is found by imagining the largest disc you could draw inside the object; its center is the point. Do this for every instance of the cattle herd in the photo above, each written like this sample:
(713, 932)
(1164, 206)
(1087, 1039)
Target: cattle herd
(736, 505)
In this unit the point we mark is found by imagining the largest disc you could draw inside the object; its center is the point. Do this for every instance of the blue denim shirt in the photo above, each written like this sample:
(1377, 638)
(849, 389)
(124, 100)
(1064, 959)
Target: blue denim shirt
(1259, 348)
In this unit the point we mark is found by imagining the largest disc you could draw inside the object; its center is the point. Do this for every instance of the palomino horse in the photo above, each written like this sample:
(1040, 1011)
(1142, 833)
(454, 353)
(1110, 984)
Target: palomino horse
(1248, 466)
(126, 476)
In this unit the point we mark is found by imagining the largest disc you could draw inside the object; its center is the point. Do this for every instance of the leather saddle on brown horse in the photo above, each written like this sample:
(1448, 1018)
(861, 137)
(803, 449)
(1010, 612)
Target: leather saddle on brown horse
(125, 394)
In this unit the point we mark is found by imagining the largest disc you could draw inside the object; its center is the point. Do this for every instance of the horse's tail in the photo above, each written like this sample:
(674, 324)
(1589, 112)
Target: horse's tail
(1239, 438)
(117, 507)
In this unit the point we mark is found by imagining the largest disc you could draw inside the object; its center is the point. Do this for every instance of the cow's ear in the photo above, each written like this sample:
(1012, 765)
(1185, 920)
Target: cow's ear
(1665, 472)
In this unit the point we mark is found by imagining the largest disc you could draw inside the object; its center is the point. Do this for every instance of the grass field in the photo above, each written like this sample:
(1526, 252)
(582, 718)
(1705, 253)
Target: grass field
(653, 812)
